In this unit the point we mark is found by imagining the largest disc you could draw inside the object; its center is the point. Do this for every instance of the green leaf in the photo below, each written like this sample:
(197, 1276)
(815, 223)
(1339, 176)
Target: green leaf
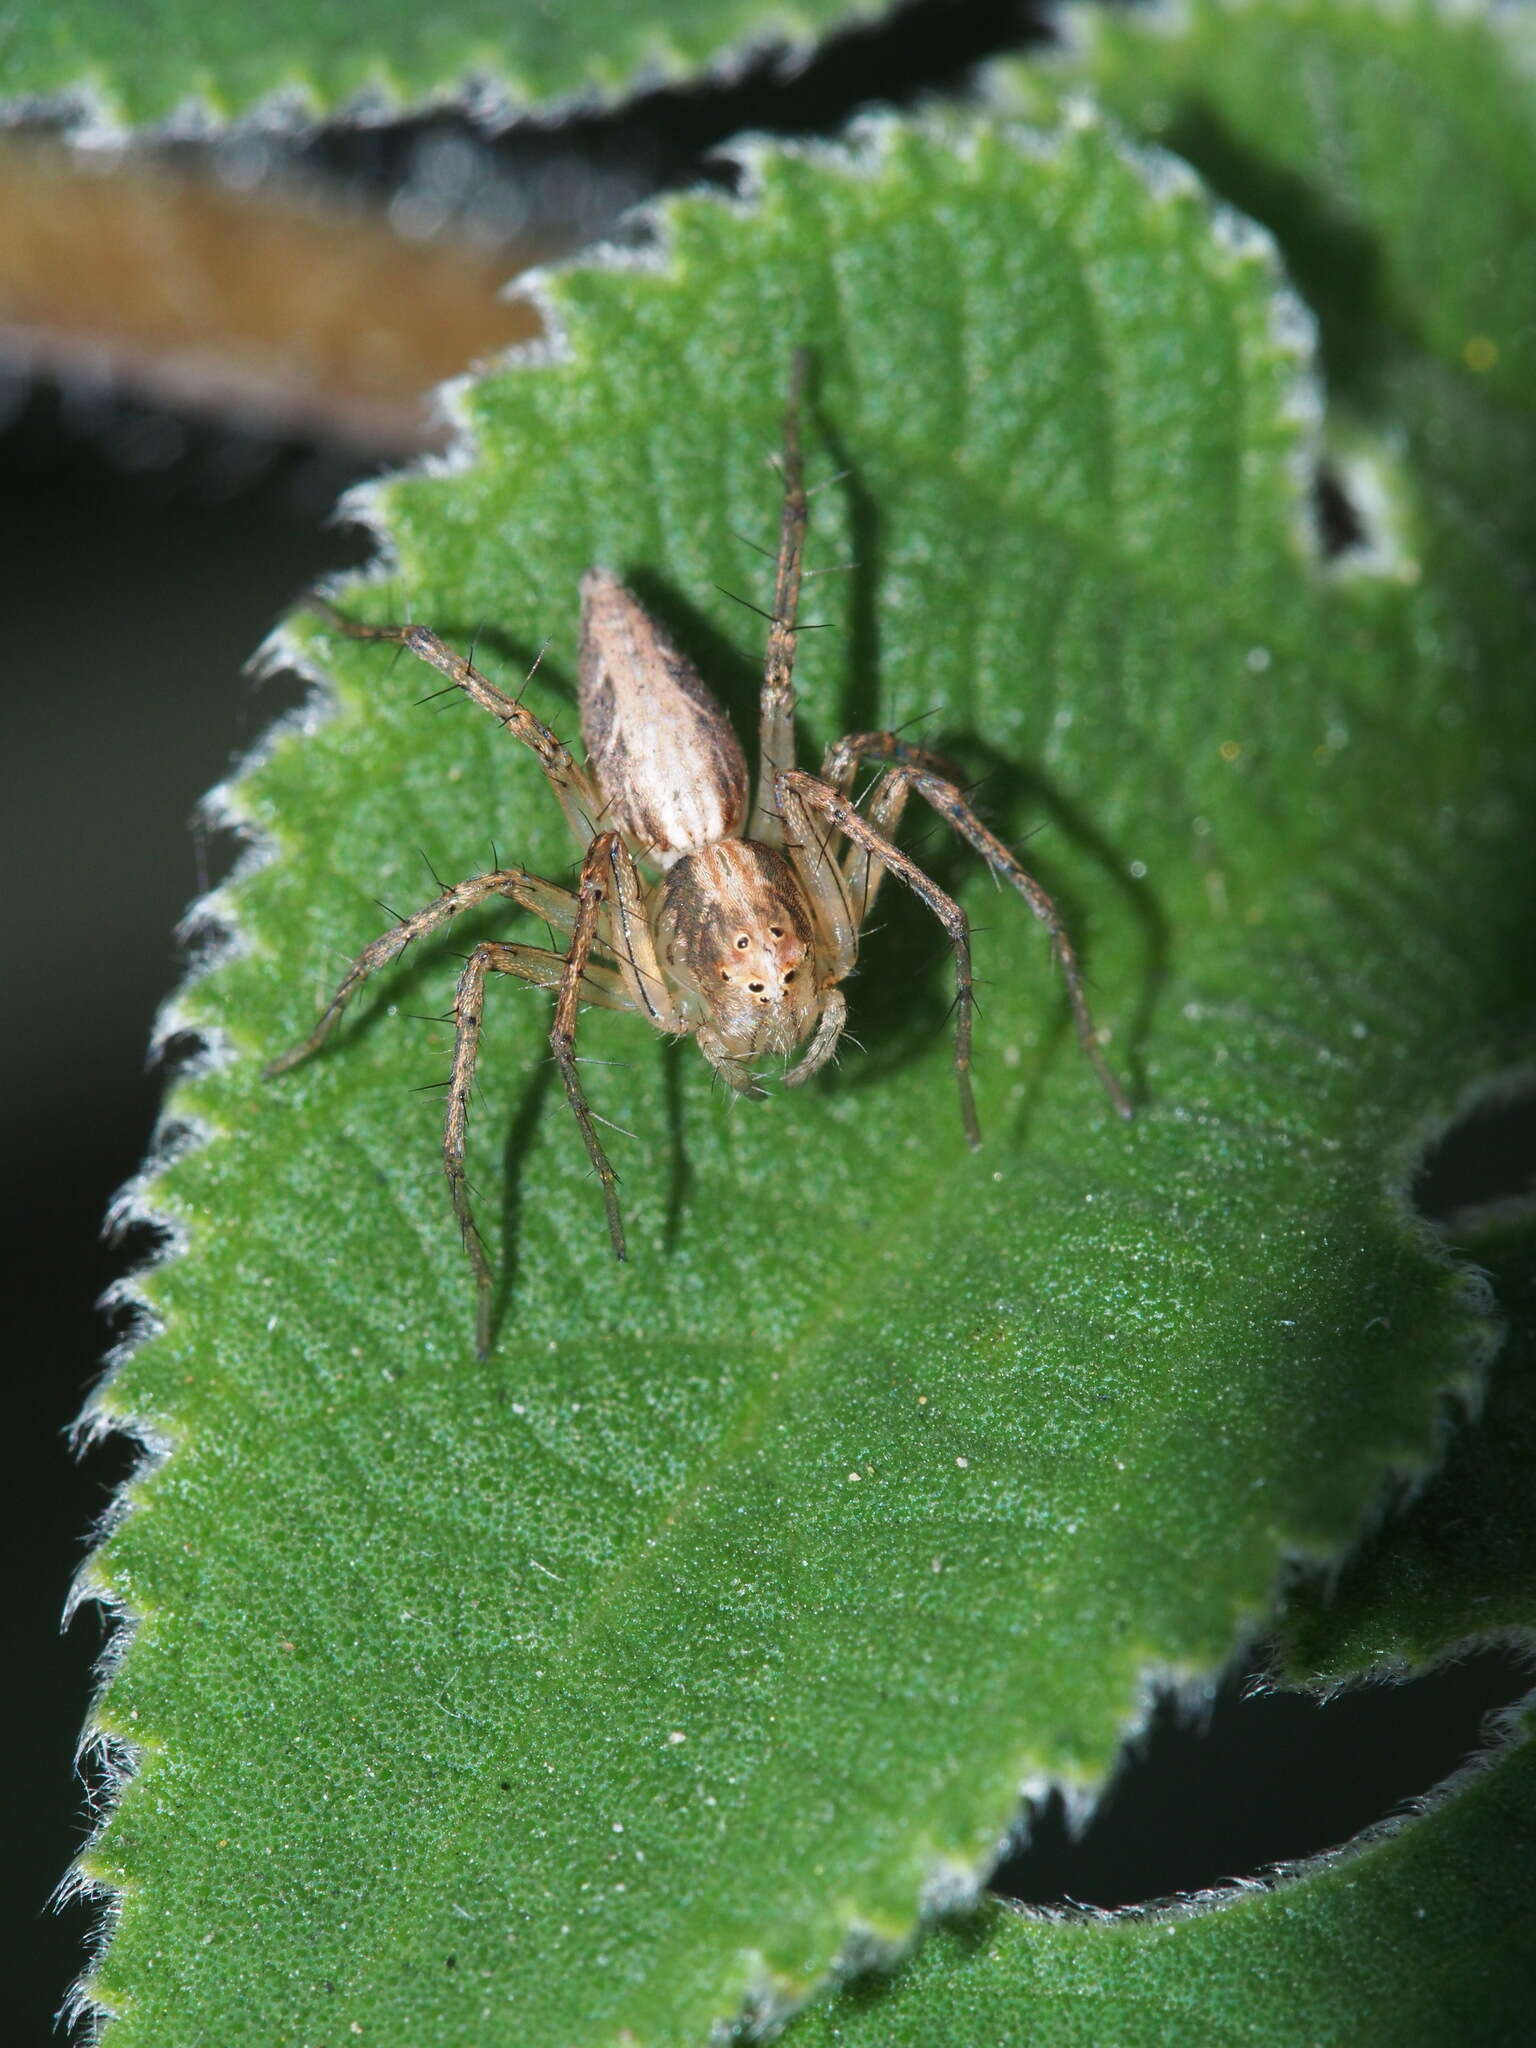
(883, 1473)
(1460, 1561)
(1391, 150)
(1423, 1929)
(1338, 126)
(155, 60)
(1379, 1942)
(1348, 126)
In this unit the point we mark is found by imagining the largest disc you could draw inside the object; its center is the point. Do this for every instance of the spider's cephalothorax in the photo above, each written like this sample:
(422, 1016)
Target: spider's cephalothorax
(737, 936)
(737, 929)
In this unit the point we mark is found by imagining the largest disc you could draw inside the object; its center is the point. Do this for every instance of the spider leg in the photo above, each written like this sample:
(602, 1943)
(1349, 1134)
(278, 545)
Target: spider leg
(800, 795)
(546, 900)
(571, 784)
(821, 1048)
(732, 1069)
(932, 778)
(883, 806)
(625, 931)
(545, 970)
(591, 898)
(776, 717)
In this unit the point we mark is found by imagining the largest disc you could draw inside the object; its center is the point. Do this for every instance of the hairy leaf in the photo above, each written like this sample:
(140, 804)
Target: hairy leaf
(717, 1618)
(1460, 1561)
(160, 58)
(1421, 1929)
(1349, 130)
(1391, 150)
(1380, 1942)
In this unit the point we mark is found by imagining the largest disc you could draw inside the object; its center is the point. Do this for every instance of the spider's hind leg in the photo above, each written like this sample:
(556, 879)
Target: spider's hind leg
(570, 782)
(592, 914)
(546, 900)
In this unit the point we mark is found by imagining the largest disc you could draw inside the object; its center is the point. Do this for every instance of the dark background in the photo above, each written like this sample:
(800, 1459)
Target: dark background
(148, 554)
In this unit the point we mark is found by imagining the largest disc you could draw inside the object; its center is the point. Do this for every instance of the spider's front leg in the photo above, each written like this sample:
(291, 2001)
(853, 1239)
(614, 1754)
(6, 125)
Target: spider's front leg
(932, 778)
(776, 713)
(803, 801)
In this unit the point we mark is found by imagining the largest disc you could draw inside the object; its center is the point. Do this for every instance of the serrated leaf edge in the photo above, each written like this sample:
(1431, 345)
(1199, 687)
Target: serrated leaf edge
(88, 115)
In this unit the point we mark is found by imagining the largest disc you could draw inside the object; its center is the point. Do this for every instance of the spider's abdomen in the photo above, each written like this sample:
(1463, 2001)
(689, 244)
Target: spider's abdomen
(669, 767)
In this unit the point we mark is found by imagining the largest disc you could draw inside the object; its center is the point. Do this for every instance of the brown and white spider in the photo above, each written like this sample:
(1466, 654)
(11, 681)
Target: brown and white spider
(737, 930)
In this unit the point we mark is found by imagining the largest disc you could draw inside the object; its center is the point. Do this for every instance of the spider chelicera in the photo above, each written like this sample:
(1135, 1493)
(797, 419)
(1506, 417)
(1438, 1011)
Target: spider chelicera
(737, 929)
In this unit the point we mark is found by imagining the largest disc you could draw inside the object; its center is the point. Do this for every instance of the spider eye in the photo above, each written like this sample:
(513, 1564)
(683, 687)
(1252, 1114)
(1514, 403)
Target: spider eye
(789, 977)
(775, 931)
(756, 987)
(725, 974)
(742, 943)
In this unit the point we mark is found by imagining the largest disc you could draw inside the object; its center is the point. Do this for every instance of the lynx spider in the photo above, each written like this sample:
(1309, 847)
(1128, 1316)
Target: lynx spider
(737, 930)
